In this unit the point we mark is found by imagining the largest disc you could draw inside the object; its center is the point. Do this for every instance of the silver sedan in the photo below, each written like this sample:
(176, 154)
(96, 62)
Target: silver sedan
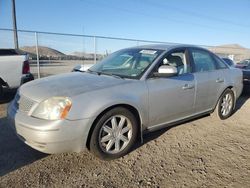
(131, 92)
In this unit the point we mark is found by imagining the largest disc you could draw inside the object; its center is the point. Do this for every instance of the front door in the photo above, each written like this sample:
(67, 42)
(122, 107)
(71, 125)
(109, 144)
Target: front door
(172, 98)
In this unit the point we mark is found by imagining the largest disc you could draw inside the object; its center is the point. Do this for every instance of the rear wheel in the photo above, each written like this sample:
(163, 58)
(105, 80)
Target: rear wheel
(225, 105)
(114, 134)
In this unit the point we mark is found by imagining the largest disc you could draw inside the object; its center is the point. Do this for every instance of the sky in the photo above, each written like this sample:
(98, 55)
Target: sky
(206, 22)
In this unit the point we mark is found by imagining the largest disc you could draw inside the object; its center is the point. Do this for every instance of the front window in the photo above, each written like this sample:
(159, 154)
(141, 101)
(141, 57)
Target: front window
(220, 63)
(128, 63)
(177, 59)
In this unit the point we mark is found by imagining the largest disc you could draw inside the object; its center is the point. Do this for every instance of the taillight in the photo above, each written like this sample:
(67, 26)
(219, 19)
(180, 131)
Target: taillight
(26, 67)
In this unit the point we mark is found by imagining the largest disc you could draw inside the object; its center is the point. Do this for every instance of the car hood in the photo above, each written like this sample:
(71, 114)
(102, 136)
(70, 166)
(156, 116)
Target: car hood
(70, 84)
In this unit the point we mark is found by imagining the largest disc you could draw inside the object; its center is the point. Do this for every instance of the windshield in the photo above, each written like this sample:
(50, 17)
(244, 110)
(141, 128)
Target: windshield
(128, 63)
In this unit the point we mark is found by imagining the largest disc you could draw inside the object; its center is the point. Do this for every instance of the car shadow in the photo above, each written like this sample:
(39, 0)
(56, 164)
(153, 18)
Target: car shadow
(242, 100)
(150, 136)
(14, 153)
(154, 135)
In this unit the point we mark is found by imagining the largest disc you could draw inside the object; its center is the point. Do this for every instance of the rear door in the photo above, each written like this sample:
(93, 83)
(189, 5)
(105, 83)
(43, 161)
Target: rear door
(209, 79)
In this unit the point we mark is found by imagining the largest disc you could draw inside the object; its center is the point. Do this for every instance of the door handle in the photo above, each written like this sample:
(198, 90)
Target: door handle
(188, 86)
(219, 80)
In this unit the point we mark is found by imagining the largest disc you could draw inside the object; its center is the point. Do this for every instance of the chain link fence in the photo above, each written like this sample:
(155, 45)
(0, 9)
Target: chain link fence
(55, 53)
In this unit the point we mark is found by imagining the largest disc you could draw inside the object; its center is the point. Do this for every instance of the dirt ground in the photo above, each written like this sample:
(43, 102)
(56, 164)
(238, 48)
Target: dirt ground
(201, 153)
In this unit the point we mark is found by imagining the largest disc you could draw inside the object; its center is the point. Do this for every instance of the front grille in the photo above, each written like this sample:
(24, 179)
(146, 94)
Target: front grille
(23, 103)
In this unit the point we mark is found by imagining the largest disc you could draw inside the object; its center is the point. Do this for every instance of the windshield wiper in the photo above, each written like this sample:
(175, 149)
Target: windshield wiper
(103, 73)
(94, 72)
(116, 76)
(111, 74)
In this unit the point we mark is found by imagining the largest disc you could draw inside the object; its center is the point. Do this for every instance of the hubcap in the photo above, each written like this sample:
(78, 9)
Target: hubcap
(227, 104)
(115, 134)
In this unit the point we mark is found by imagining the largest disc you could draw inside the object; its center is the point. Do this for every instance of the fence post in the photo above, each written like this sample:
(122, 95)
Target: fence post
(95, 49)
(37, 56)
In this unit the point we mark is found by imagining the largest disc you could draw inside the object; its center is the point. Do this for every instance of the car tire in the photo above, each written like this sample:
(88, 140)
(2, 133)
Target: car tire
(225, 105)
(1, 92)
(114, 134)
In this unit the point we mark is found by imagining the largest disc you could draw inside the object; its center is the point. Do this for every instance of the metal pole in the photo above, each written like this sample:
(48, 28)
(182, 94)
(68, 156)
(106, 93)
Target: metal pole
(14, 23)
(37, 56)
(95, 50)
(83, 47)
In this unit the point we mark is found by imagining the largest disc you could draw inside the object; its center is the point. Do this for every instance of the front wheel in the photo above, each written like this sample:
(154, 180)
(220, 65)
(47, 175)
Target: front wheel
(114, 134)
(225, 105)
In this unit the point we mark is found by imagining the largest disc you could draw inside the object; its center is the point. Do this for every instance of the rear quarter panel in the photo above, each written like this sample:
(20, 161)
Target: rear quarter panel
(234, 78)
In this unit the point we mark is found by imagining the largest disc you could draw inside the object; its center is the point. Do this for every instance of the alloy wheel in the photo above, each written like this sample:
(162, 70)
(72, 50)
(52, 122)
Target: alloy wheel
(115, 134)
(226, 104)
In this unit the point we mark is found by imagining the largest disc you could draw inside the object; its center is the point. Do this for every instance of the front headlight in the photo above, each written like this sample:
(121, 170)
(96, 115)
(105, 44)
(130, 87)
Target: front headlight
(54, 108)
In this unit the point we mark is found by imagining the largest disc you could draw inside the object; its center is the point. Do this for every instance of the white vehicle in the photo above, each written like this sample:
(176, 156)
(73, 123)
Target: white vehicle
(82, 68)
(14, 69)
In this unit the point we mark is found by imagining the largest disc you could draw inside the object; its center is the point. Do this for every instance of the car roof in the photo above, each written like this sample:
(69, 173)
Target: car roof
(168, 47)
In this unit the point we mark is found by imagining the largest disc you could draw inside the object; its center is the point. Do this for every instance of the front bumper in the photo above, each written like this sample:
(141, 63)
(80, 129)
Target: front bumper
(50, 136)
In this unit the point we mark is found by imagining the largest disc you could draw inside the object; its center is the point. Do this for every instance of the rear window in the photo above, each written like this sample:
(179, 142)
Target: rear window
(220, 63)
(6, 52)
(228, 61)
(203, 61)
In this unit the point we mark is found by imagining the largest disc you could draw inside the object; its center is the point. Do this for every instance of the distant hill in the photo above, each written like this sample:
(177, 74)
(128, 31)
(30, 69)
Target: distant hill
(50, 53)
(43, 51)
(87, 55)
(238, 51)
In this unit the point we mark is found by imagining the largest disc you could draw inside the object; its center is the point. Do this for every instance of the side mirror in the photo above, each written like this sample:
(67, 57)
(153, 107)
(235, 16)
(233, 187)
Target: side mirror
(166, 71)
